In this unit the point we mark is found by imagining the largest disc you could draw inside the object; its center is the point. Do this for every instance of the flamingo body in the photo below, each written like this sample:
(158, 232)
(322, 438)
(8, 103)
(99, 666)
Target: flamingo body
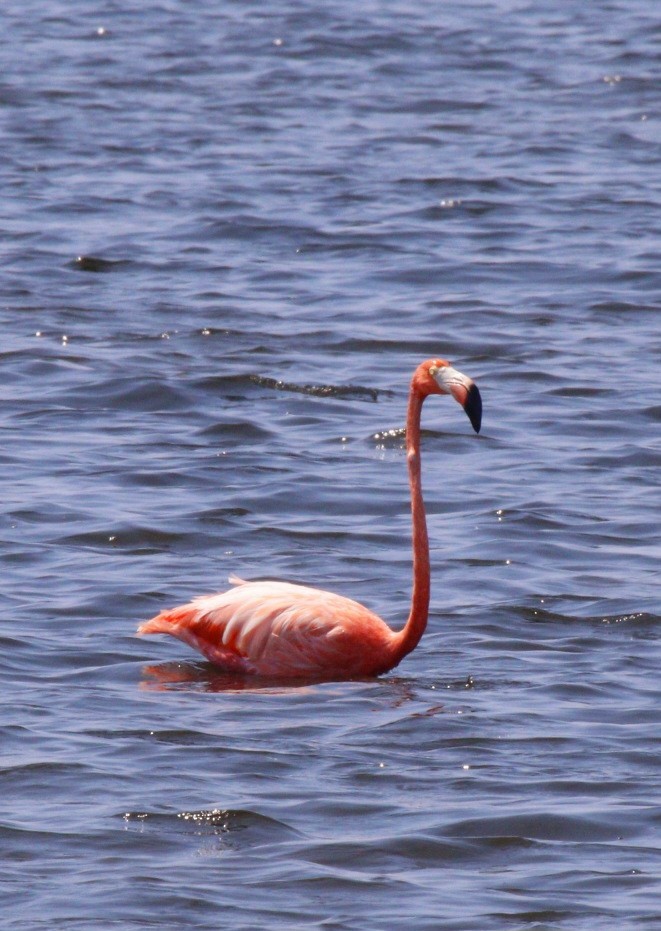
(278, 629)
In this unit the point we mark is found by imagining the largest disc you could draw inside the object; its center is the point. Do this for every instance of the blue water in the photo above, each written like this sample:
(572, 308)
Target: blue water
(229, 233)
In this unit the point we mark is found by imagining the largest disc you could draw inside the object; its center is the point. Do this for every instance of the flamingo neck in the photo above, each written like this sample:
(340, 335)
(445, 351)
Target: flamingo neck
(408, 638)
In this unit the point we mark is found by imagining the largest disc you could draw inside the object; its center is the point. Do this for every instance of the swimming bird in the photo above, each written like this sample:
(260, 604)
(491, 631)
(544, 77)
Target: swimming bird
(277, 629)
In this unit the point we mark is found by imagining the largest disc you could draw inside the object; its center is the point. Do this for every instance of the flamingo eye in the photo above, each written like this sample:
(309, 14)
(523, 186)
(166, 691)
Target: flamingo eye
(433, 370)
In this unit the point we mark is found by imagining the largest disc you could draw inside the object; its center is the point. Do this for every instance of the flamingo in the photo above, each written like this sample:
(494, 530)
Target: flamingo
(277, 629)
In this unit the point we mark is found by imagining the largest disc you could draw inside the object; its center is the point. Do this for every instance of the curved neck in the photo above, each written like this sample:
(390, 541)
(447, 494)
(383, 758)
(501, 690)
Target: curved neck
(407, 639)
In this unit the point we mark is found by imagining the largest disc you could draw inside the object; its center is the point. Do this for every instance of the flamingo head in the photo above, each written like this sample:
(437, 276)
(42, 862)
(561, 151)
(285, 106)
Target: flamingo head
(437, 376)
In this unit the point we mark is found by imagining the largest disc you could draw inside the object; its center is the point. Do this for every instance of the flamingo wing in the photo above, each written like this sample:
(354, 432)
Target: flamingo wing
(276, 628)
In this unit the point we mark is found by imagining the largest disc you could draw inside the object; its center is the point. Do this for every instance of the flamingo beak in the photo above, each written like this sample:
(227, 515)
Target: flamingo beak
(464, 390)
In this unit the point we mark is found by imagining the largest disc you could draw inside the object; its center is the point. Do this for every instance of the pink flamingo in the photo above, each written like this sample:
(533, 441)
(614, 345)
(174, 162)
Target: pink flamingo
(283, 630)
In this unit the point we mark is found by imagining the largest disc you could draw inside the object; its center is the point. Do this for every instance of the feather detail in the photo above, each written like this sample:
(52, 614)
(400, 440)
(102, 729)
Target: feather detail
(276, 628)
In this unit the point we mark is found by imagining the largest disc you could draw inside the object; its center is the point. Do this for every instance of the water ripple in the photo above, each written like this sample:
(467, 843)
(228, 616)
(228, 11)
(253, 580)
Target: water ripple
(229, 236)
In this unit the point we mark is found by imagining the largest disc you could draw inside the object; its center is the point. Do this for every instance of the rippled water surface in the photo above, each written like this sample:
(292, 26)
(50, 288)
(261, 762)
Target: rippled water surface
(229, 232)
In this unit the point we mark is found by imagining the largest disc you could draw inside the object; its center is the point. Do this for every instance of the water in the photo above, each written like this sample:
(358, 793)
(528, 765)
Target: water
(229, 233)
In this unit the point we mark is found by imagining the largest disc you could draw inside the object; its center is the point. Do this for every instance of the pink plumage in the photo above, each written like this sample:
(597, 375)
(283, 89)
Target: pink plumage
(278, 629)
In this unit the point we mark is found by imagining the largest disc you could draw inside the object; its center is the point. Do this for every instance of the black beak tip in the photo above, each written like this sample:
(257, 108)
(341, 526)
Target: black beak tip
(473, 407)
